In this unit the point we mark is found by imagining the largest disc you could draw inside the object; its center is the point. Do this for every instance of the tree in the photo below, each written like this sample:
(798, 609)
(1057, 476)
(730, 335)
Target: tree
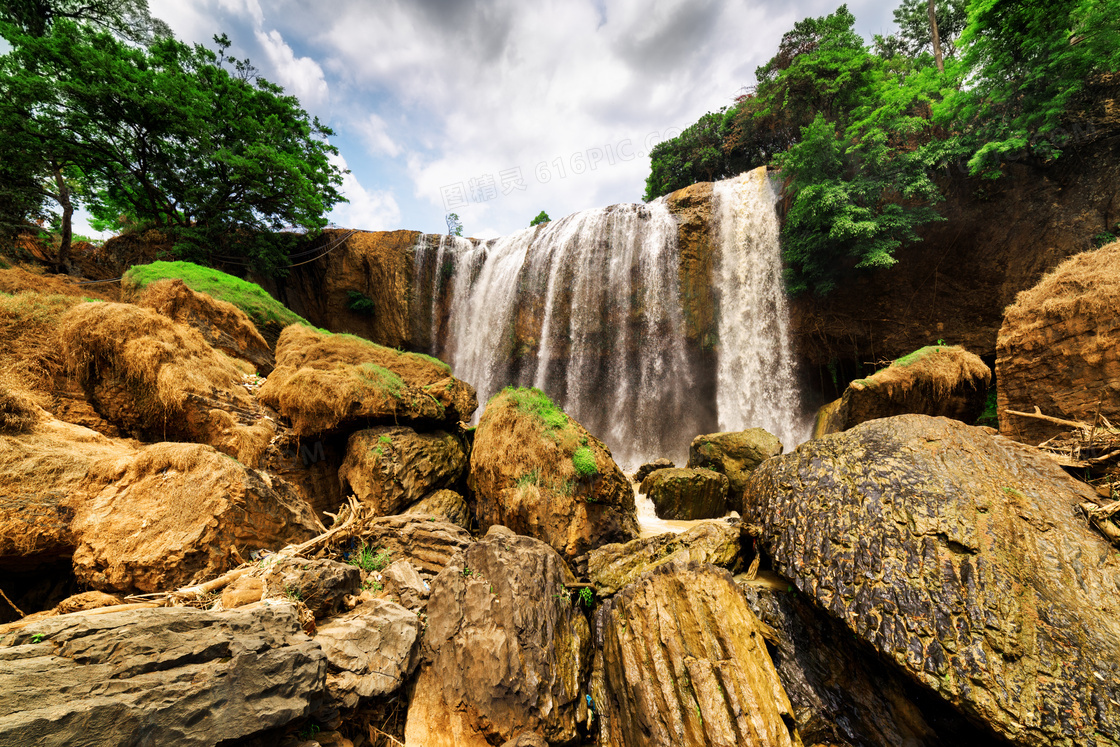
(1027, 63)
(128, 19)
(915, 26)
(167, 135)
(454, 225)
(542, 217)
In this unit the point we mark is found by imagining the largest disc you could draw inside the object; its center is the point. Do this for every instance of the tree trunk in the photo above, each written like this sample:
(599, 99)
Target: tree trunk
(64, 201)
(936, 36)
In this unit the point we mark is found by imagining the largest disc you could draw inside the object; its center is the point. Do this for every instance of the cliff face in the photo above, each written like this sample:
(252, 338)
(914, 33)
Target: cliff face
(999, 238)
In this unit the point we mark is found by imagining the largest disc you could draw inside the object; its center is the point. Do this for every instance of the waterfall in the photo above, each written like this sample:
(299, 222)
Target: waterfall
(756, 382)
(588, 309)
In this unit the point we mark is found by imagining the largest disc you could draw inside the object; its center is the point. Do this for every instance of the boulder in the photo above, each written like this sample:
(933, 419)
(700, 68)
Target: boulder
(371, 650)
(957, 556)
(172, 514)
(161, 381)
(43, 479)
(1059, 348)
(389, 468)
(445, 504)
(177, 676)
(223, 325)
(939, 380)
(611, 567)
(424, 541)
(735, 454)
(644, 471)
(87, 600)
(540, 473)
(683, 661)
(403, 583)
(842, 692)
(321, 584)
(505, 650)
(323, 382)
(686, 494)
(241, 591)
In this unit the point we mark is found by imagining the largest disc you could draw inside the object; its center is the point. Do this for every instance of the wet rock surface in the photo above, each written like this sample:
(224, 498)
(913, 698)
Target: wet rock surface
(391, 467)
(735, 454)
(687, 494)
(157, 676)
(958, 556)
(505, 652)
(842, 693)
(649, 467)
(681, 660)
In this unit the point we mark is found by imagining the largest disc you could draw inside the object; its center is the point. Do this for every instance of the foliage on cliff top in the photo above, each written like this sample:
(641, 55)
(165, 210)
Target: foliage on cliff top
(262, 308)
(859, 131)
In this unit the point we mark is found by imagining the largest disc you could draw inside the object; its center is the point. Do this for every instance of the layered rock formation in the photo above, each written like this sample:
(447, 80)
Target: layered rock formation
(392, 467)
(735, 454)
(1059, 348)
(683, 661)
(957, 555)
(157, 676)
(505, 652)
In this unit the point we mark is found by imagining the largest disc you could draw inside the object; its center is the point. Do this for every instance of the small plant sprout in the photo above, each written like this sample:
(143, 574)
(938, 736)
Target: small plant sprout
(37, 638)
(564, 594)
(587, 596)
(369, 559)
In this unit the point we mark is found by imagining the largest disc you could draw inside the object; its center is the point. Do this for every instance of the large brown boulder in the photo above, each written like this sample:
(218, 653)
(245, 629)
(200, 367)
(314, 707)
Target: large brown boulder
(683, 661)
(44, 477)
(161, 380)
(391, 467)
(735, 454)
(177, 676)
(445, 504)
(937, 380)
(540, 473)
(1059, 348)
(686, 494)
(506, 651)
(223, 325)
(323, 381)
(958, 556)
(611, 567)
(172, 514)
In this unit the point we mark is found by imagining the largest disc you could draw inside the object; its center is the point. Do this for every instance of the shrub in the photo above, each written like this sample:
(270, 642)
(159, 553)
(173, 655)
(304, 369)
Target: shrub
(584, 461)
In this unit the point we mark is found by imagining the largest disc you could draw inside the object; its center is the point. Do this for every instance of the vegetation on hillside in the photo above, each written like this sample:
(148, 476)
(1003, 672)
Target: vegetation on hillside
(100, 105)
(262, 308)
(860, 131)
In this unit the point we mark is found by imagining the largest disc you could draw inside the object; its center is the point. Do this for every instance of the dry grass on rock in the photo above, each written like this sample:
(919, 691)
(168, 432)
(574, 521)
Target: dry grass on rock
(322, 380)
(1085, 285)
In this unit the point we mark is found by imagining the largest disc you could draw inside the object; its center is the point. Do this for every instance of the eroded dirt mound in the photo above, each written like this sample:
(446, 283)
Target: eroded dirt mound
(1059, 347)
(540, 473)
(223, 325)
(322, 381)
(161, 380)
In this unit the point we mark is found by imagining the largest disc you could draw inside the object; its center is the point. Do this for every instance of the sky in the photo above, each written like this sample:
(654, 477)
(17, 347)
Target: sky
(498, 109)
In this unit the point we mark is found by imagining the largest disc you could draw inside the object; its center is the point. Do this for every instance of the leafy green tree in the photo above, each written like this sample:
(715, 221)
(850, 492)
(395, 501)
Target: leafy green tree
(542, 217)
(454, 225)
(168, 136)
(914, 37)
(839, 219)
(696, 155)
(1027, 63)
(128, 19)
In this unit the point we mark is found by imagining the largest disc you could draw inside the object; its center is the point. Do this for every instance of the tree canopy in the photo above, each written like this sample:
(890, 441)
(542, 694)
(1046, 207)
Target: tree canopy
(859, 130)
(164, 134)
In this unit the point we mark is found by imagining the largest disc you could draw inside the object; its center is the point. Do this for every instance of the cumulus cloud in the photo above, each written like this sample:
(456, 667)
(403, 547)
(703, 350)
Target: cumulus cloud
(300, 76)
(371, 210)
(376, 134)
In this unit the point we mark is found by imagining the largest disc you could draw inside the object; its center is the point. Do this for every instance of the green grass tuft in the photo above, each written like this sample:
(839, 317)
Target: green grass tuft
(584, 461)
(369, 559)
(534, 402)
(918, 354)
(249, 297)
(381, 378)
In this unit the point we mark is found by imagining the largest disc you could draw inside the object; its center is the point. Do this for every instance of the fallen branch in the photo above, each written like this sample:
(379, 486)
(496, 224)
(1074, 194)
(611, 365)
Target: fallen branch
(9, 601)
(1037, 415)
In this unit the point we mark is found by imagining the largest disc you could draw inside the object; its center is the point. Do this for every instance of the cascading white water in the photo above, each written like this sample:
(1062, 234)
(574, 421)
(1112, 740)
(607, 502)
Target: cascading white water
(587, 308)
(756, 381)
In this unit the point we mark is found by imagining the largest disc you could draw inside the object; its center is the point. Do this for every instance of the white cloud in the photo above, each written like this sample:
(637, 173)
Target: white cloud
(370, 210)
(300, 76)
(375, 132)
